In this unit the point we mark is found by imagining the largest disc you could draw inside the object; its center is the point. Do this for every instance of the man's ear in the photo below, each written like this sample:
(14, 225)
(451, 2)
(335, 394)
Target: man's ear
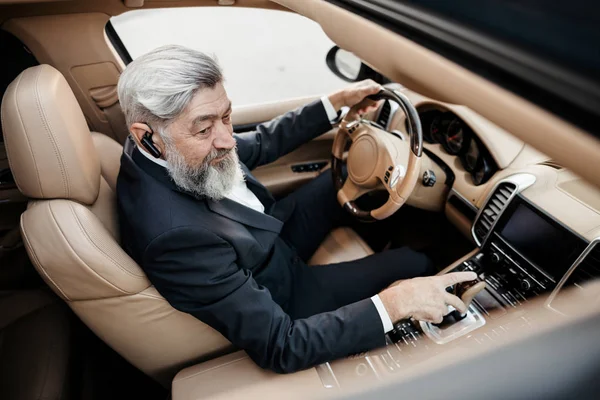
(139, 129)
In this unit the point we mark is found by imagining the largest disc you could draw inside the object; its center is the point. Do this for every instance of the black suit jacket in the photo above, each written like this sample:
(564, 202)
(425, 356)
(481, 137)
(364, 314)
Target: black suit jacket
(225, 263)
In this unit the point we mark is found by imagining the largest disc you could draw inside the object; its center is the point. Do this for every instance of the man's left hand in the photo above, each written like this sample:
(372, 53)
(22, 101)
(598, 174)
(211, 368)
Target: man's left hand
(354, 94)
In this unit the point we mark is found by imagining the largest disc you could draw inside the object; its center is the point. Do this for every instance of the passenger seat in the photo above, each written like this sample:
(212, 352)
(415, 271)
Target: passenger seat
(35, 352)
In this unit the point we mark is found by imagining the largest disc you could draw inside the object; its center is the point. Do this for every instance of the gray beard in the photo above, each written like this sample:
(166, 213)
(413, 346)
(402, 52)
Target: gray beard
(206, 180)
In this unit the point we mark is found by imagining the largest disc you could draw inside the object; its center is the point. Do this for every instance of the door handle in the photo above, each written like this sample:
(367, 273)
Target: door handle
(105, 96)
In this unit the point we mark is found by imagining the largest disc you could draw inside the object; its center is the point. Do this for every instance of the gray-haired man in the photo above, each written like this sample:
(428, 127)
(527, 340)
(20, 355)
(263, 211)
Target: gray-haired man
(217, 245)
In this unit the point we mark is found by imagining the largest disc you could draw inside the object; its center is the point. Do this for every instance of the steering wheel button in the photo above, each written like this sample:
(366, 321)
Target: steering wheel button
(351, 126)
(398, 173)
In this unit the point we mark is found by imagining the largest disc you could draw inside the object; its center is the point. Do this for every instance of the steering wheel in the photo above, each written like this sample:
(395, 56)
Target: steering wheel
(377, 157)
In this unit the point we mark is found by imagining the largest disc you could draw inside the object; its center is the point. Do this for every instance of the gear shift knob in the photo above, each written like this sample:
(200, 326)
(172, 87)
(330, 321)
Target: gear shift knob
(467, 291)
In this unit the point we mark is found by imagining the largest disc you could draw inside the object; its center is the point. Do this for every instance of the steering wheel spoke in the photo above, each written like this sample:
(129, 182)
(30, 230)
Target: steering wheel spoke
(350, 192)
(348, 131)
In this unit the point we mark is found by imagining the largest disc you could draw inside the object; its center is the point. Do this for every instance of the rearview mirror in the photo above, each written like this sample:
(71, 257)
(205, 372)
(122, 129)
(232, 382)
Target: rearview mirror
(350, 68)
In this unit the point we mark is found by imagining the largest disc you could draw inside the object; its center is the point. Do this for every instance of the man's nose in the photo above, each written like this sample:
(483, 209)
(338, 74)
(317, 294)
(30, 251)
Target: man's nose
(223, 138)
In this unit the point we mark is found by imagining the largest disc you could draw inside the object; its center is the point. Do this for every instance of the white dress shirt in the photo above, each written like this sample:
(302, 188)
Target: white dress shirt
(241, 194)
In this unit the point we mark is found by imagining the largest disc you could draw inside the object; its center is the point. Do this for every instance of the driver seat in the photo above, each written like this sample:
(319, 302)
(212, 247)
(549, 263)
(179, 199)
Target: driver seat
(70, 230)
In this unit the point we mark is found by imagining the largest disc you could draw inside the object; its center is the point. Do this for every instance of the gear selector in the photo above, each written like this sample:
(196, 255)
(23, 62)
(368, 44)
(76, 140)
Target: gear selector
(466, 291)
(455, 324)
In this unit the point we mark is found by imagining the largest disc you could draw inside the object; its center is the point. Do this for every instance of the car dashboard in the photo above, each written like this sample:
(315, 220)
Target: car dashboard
(458, 139)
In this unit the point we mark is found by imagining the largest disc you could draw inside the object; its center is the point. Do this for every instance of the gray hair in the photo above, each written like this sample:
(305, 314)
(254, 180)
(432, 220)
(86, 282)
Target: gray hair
(156, 87)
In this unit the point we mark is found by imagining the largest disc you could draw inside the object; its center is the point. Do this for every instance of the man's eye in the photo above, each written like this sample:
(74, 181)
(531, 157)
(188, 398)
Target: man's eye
(203, 131)
(227, 119)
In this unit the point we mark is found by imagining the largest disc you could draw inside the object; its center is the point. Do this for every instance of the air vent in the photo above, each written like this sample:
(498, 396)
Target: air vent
(588, 268)
(492, 210)
(384, 114)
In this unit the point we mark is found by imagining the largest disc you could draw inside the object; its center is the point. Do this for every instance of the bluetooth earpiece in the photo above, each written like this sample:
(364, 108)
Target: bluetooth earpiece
(149, 144)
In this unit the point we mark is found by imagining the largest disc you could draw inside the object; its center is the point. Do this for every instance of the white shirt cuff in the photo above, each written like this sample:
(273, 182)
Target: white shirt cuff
(385, 317)
(331, 113)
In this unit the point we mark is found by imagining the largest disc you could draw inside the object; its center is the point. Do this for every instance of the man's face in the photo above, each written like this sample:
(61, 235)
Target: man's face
(201, 154)
(204, 127)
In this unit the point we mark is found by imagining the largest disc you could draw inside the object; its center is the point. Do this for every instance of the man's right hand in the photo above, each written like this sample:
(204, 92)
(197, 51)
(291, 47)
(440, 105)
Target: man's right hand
(424, 299)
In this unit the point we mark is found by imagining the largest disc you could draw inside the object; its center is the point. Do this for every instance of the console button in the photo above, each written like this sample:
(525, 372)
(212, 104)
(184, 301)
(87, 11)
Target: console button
(495, 257)
(429, 178)
(525, 284)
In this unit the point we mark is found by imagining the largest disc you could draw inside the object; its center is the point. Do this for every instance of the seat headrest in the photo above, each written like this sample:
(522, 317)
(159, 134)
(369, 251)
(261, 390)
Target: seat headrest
(48, 143)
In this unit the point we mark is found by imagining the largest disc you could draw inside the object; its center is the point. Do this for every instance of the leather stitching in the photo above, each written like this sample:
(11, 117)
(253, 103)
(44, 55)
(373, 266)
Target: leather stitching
(64, 237)
(215, 367)
(37, 262)
(153, 296)
(16, 91)
(87, 236)
(55, 146)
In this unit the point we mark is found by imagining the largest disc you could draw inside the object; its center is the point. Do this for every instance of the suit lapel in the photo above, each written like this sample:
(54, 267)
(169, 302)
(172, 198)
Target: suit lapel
(245, 215)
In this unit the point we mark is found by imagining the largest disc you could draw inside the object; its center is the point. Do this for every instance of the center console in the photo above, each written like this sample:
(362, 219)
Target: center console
(524, 255)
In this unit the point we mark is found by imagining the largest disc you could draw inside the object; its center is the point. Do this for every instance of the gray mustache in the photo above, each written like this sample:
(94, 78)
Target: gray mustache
(214, 154)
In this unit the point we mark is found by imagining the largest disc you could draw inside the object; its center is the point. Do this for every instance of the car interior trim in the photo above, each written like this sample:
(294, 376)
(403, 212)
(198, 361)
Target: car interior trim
(117, 43)
(449, 173)
(473, 207)
(522, 181)
(559, 287)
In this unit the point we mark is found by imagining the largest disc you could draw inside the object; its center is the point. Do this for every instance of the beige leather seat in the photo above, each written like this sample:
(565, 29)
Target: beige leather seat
(70, 230)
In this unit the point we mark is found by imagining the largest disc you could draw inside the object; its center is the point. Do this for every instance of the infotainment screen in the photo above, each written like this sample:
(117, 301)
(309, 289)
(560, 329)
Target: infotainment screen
(548, 245)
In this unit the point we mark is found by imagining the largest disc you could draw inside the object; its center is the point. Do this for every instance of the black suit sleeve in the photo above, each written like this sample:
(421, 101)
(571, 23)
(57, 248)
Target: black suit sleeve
(196, 272)
(282, 135)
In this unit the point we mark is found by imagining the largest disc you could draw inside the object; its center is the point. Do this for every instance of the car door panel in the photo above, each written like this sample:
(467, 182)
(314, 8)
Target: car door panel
(298, 167)
(295, 169)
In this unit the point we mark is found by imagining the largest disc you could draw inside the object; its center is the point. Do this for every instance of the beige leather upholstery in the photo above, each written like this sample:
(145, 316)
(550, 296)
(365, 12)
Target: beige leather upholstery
(55, 158)
(342, 244)
(109, 153)
(70, 229)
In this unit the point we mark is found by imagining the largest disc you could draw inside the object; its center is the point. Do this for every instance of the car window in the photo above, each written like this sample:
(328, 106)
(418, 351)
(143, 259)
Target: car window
(266, 55)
